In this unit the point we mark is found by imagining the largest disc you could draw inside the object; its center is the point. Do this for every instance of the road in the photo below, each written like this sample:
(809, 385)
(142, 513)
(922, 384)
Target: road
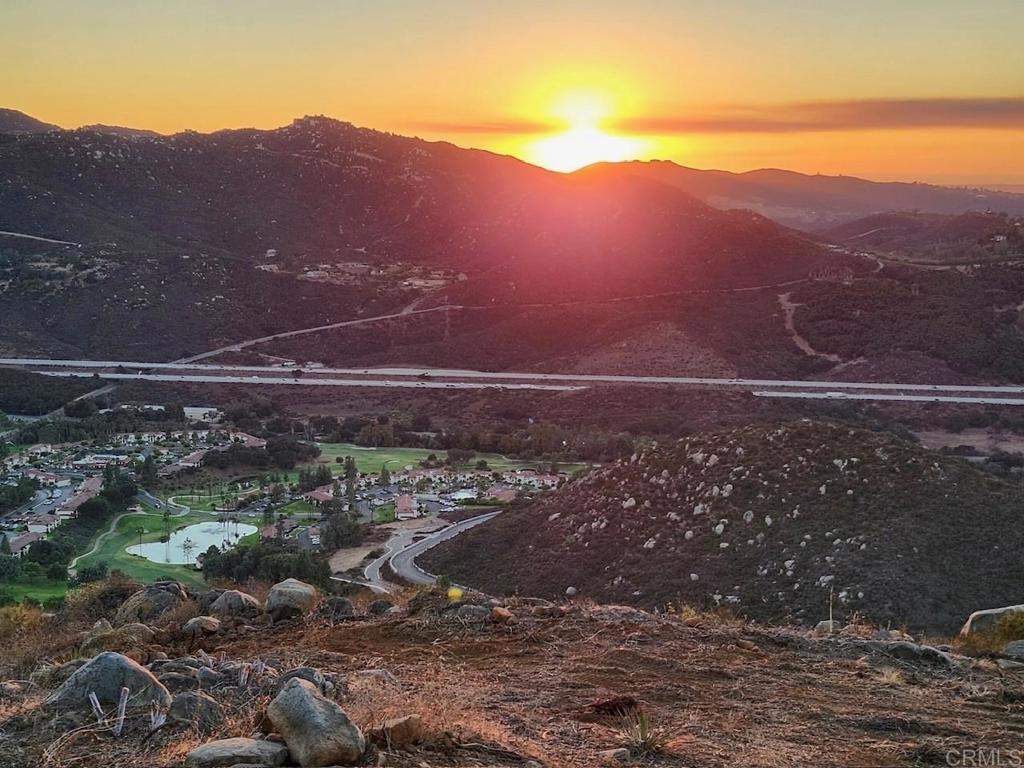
(892, 397)
(307, 382)
(403, 562)
(441, 378)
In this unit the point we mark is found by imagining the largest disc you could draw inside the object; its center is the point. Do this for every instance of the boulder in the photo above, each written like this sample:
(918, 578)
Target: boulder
(209, 678)
(1014, 650)
(102, 637)
(151, 603)
(979, 621)
(50, 675)
(176, 682)
(201, 625)
(907, 651)
(291, 598)
(398, 733)
(229, 752)
(195, 708)
(379, 607)
(309, 674)
(468, 612)
(105, 675)
(826, 628)
(316, 730)
(233, 604)
(336, 608)
(205, 600)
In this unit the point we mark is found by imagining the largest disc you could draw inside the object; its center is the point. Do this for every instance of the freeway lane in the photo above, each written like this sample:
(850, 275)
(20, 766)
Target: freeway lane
(892, 397)
(280, 380)
(426, 374)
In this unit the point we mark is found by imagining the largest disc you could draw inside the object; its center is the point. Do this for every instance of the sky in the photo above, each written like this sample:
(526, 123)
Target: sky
(928, 90)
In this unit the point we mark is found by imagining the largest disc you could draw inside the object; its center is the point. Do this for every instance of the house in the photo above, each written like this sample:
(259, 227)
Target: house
(406, 507)
(501, 493)
(89, 488)
(203, 413)
(19, 544)
(464, 494)
(42, 523)
(44, 478)
(321, 495)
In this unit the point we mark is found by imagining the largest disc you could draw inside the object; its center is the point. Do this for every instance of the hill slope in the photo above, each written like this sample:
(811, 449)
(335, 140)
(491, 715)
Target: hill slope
(768, 521)
(814, 202)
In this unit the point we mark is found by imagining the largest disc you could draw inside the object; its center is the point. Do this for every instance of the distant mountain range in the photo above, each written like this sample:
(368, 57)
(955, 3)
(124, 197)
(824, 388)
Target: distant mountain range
(808, 202)
(816, 202)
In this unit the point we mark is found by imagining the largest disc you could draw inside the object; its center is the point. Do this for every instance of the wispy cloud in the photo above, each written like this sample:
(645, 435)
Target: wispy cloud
(856, 115)
(804, 117)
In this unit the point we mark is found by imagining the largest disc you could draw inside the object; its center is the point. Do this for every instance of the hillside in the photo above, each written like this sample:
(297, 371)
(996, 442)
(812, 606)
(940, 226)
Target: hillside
(816, 202)
(13, 121)
(962, 236)
(769, 522)
(475, 683)
(321, 221)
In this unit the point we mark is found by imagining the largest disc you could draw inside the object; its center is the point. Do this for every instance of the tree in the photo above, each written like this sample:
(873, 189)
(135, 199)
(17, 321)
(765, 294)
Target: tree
(148, 474)
(385, 477)
(342, 529)
(10, 567)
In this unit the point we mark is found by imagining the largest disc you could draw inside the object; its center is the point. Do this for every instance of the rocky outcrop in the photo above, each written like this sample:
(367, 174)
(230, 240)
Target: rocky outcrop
(316, 730)
(151, 603)
(238, 751)
(337, 608)
(291, 598)
(105, 675)
(200, 626)
(398, 733)
(233, 604)
(196, 709)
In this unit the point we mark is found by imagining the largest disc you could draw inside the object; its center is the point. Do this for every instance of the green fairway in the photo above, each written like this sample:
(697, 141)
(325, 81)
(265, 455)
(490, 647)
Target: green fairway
(38, 590)
(299, 506)
(385, 513)
(371, 460)
(112, 548)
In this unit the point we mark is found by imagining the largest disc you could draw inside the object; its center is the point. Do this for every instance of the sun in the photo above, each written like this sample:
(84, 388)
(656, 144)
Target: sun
(584, 141)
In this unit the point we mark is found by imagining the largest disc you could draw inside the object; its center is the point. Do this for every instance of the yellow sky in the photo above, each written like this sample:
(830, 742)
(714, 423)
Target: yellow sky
(914, 90)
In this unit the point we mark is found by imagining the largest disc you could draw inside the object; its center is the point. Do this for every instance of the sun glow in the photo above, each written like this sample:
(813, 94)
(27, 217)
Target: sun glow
(584, 141)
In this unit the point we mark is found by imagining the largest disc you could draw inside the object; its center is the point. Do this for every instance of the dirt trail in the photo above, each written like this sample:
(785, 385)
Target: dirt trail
(789, 310)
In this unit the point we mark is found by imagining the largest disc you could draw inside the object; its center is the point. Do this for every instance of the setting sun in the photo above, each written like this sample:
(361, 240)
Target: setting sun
(583, 141)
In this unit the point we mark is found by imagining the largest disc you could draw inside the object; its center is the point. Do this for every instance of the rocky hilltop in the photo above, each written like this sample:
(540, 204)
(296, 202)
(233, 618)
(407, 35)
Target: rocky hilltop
(775, 523)
(163, 677)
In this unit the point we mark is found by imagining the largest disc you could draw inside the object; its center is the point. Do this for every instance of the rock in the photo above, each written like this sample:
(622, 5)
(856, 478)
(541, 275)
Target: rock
(104, 638)
(195, 708)
(316, 730)
(502, 615)
(907, 651)
(229, 752)
(10, 689)
(309, 674)
(205, 600)
(571, 591)
(336, 608)
(979, 621)
(398, 733)
(619, 755)
(826, 628)
(291, 598)
(176, 682)
(151, 603)
(233, 604)
(379, 607)
(1014, 650)
(201, 625)
(209, 678)
(105, 675)
(1006, 665)
(473, 612)
(51, 675)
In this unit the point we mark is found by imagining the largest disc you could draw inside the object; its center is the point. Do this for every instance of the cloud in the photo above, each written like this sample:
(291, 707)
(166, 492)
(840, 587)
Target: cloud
(855, 115)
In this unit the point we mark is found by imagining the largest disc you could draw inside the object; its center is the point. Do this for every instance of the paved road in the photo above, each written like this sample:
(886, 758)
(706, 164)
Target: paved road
(892, 397)
(40, 239)
(440, 378)
(307, 382)
(403, 562)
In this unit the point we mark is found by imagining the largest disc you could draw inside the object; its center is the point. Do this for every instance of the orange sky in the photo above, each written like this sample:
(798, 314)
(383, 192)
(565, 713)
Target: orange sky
(911, 90)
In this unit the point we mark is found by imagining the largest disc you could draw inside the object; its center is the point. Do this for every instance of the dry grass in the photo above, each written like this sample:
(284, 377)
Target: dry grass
(1007, 628)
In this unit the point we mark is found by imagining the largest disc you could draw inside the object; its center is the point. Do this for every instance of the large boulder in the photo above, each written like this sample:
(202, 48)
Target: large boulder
(291, 598)
(233, 604)
(105, 675)
(316, 730)
(238, 751)
(102, 637)
(200, 625)
(398, 733)
(1014, 650)
(151, 603)
(196, 709)
(337, 608)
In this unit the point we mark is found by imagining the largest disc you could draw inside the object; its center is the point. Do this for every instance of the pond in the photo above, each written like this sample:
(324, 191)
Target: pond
(186, 544)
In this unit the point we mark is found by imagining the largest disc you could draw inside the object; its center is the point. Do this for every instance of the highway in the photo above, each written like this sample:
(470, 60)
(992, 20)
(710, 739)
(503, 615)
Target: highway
(457, 378)
(876, 396)
(307, 382)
